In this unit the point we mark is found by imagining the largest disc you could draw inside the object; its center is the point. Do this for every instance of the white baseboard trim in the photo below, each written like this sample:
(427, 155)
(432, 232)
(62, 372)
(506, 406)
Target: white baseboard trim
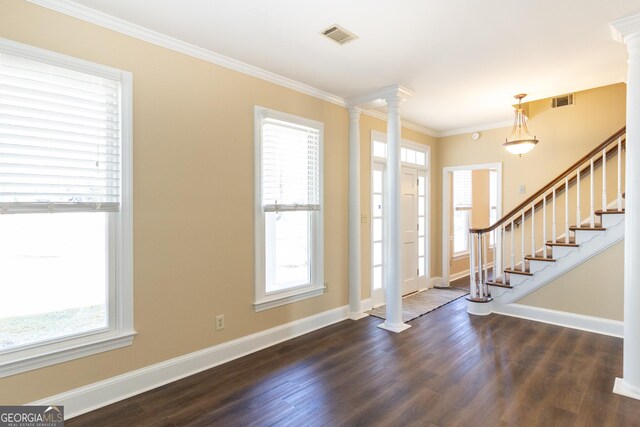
(624, 389)
(93, 396)
(598, 325)
(459, 275)
(436, 281)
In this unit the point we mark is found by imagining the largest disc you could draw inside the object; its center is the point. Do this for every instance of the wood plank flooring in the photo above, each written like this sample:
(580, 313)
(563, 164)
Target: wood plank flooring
(449, 369)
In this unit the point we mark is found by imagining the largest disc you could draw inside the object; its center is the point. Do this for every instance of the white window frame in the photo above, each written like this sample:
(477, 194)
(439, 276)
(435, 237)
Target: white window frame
(265, 300)
(446, 211)
(119, 332)
(465, 252)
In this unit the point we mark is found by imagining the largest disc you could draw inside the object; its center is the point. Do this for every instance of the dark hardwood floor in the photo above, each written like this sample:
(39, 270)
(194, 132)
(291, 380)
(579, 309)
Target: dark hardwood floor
(449, 369)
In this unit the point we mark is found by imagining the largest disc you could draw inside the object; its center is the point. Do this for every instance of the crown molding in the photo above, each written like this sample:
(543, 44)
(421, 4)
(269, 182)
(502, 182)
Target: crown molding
(125, 27)
(122, 26)
(405, 124)
(470, 129)
(625, 27)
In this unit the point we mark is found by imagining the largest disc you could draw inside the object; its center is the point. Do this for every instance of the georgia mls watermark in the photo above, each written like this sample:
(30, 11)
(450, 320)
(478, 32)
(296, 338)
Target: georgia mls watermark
(31, 416)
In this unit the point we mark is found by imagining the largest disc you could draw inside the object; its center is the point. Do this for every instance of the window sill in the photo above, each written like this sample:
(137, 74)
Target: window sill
(272, 302)
(23, 360)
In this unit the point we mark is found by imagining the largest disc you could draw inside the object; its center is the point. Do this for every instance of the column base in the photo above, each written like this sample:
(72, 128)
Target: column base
(479, 306)
(358, 315)
(624, 389)
(394, 327)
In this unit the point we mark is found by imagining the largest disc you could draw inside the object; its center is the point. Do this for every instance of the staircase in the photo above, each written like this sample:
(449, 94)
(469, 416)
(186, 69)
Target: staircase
(546, 235)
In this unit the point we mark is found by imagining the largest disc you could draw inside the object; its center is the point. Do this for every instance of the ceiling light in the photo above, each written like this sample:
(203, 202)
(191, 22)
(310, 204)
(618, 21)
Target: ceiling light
(520, 141)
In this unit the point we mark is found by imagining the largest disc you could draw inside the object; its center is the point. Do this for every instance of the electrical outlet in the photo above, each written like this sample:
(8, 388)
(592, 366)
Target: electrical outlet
(219, 322)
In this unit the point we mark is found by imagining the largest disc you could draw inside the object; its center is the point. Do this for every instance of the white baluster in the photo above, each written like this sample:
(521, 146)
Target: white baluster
(604, 179)
(522, 241)
(472, 267)
(553, 216)
(502, 251)
(592, 214)
(566, 210)
(619, 205)
(485, 243)
(578, 219)
(533, 229)
(544, 225)
(513, 249)
(480, 263)
(495, 254)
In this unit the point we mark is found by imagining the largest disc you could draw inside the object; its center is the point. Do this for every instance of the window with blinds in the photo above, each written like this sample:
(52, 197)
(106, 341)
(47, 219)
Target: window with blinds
(290, 166)
(462, 204)
(462, 189)
(60, 132)
(288, 227)
(65, 208)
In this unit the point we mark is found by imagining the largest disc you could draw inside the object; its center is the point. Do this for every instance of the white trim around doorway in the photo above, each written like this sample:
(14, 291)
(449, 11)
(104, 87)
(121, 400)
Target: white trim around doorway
(446, 201)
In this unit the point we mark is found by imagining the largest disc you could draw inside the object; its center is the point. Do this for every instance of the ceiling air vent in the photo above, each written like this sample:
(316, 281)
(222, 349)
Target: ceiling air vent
(339, 34)
(562, 101)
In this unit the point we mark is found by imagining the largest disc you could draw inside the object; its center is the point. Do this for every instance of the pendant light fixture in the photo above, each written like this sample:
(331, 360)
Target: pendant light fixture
(520, 141)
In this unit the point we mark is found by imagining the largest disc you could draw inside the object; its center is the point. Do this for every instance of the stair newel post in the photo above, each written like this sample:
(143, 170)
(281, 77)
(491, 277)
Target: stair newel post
(619, 204)
(513, 249)
(544, 225)
(533, 229)
(566, 210)
(472, 265)
(592, 213)
(578, 219)
(604, 179)
(522, 241)
(553, 216)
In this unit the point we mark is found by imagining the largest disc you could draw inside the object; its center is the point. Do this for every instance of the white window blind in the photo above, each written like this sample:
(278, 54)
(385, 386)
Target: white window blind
(462, 190)
(59, 138)
(290, 166)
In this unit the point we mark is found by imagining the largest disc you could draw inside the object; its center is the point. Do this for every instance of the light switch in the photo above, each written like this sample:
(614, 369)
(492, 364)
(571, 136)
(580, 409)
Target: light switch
(523, 189)
(364, 218)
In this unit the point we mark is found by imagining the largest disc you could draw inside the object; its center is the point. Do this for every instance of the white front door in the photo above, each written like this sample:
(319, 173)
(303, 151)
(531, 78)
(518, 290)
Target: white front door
(409, 200)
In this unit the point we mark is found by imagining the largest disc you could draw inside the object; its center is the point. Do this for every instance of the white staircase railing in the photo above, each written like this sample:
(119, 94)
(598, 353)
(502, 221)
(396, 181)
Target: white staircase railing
(524, 215)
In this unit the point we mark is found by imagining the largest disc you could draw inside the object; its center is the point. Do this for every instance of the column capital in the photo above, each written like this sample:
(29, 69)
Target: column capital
(380, 97)
(627, 29)
(354, 112)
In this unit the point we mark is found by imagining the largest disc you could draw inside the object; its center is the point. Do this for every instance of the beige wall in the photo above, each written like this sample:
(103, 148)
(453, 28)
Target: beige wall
(193, 198)
(565, 135)
(193, 146)
(588, 289)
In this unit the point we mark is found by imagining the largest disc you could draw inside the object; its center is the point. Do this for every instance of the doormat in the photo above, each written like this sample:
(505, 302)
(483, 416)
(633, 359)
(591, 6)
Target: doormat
(421, 303)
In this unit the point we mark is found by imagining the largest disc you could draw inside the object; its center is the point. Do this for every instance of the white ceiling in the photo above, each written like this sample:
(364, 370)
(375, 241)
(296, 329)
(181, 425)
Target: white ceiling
(464, 59)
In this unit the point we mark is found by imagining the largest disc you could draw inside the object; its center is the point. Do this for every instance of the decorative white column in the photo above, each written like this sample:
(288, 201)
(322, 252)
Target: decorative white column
(393, 276)
(392, 96)
(629, 384)
(355, 304)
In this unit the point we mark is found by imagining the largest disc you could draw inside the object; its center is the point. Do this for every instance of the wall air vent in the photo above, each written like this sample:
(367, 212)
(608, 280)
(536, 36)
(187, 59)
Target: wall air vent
(562, 101)
(339, 34)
